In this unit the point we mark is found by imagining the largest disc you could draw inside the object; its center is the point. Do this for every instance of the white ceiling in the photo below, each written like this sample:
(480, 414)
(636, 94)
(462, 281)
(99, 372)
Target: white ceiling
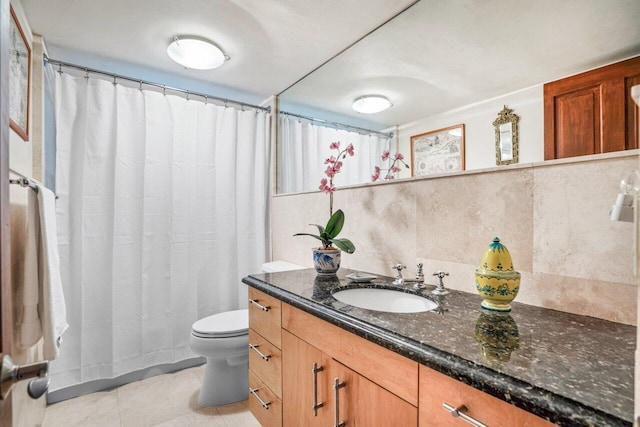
(437, 56)
(272, 43)
(442, 55)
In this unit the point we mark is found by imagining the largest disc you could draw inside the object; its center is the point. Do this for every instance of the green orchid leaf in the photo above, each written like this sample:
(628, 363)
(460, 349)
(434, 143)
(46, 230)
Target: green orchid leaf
(321, 229)
(344, 245)
(312, 235)
(335, 223)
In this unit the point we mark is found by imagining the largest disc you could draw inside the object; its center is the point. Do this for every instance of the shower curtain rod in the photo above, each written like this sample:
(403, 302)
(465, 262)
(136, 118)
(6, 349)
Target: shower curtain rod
(141, 82)
(326, 122)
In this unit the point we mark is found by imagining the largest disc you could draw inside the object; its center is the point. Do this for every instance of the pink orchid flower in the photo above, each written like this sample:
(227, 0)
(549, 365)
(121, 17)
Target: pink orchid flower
(330, 171)
(349, 149)
(335, 145)
(399, 156)
(331, 160)
(385, 154)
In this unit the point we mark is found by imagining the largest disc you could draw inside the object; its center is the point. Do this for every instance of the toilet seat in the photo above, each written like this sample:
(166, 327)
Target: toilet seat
(222, 325)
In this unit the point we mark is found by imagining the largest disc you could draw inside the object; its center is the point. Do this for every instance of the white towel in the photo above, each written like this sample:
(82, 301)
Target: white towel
(51, 307)
(27, 319)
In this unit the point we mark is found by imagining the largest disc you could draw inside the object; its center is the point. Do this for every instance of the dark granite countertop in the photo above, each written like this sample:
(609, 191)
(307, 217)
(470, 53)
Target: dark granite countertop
(572, 370)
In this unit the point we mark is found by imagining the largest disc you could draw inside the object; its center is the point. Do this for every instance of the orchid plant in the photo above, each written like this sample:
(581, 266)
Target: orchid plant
(393, 168)
(328, 234)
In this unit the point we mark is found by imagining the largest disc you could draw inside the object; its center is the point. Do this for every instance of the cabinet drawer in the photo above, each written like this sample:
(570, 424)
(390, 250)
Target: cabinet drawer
(271, 416)
(390, 370)
(265, 315)
(268, 368)
(437, 388)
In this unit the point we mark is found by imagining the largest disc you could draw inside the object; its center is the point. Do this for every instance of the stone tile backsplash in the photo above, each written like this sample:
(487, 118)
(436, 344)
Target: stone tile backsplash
(553, 217)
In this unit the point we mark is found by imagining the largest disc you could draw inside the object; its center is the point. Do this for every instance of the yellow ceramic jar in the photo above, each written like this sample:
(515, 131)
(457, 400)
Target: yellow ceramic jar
(496, 280)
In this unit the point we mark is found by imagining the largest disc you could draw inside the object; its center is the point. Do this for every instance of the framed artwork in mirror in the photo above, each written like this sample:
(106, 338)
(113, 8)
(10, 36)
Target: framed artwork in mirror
(438, 151)
(19, 79)
(506, 126)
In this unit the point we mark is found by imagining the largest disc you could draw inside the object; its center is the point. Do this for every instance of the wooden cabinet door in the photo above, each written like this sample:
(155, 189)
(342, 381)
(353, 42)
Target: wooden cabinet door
(591, 112)
(363, 403)
(298, 360)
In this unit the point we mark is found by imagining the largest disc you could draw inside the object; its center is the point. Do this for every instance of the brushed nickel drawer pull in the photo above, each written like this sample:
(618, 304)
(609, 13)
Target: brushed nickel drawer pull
(264, 404)
(265, 357)
(337, 385)
(260, 306)
(316, 404)
(459, 412)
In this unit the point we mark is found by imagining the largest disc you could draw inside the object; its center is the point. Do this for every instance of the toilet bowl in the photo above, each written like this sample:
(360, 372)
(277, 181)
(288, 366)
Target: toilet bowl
(224, 340)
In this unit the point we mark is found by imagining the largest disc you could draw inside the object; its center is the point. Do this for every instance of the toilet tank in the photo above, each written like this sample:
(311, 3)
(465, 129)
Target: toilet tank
(275, 266)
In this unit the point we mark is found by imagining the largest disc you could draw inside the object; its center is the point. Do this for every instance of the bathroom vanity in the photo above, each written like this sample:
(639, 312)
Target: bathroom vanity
(316, 361)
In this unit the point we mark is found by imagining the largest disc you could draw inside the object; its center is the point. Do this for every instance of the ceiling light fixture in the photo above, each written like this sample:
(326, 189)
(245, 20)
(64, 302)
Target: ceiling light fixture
(370, 104)
(195, 53)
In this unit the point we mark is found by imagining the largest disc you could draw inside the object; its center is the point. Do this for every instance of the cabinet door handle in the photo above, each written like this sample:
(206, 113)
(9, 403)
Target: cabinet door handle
(316, 404)
(264, 404)
(459, 412)
(337, 385)
(265, 357)
(260, 306)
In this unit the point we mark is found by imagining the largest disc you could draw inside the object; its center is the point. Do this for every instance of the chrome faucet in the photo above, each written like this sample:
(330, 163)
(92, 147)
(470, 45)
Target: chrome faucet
(419, 273)
(399, 279)
(440, 290)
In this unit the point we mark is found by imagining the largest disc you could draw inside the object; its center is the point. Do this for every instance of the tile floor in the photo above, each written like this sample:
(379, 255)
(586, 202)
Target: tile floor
(164, 401)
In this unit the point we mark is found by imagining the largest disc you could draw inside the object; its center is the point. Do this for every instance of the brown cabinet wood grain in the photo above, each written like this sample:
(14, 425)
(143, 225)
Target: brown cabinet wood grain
(591, 112)
(264, 404)
(265, 321)
(437, 388)
(298, 384)
(265, 373)
(269, 367)
(368, 359)
(356, 402)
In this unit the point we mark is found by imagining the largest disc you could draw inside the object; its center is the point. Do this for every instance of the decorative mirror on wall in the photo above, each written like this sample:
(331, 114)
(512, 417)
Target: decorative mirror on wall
(506, 137)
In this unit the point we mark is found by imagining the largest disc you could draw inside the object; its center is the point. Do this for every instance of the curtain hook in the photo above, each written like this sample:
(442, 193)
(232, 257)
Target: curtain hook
(114, 81)
(164, 90)
(140, 86)
(206, 99)
(86, 73)
(60, 67)
(226, 103)
(188, 93)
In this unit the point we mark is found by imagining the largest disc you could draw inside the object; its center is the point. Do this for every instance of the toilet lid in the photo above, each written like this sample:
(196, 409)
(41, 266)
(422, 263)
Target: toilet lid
(221, 325)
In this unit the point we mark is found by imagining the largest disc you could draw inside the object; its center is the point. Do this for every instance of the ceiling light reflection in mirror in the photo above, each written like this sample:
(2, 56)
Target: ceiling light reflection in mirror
(438, 57)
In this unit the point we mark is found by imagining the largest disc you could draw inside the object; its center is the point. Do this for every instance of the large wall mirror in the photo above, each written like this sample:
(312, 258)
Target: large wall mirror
(441, 64)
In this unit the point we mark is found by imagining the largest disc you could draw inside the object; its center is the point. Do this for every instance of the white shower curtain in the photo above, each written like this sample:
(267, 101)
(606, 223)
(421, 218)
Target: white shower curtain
(304, 147)
(161, 211)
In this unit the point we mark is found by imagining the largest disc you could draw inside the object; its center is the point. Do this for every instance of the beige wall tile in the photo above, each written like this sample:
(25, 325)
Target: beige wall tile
(458, 217)
(573, 234)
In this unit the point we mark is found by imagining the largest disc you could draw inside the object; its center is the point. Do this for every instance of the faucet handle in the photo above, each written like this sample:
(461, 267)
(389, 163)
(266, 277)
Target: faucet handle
(440, 290)
(399, 280)
(399, 267)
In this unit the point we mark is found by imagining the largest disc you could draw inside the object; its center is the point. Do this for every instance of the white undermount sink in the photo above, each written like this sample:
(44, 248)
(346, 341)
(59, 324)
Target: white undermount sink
(384, 300)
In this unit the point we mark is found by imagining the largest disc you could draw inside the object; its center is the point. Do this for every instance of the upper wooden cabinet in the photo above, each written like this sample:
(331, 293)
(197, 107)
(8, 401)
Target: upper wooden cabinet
(592, 112)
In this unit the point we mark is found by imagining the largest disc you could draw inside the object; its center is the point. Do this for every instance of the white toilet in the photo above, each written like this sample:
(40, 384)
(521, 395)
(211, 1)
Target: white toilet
(224, 340)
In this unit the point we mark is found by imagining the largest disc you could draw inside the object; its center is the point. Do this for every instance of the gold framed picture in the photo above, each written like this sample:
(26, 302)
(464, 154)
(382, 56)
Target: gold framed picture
(19, 79)
(438, 151)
